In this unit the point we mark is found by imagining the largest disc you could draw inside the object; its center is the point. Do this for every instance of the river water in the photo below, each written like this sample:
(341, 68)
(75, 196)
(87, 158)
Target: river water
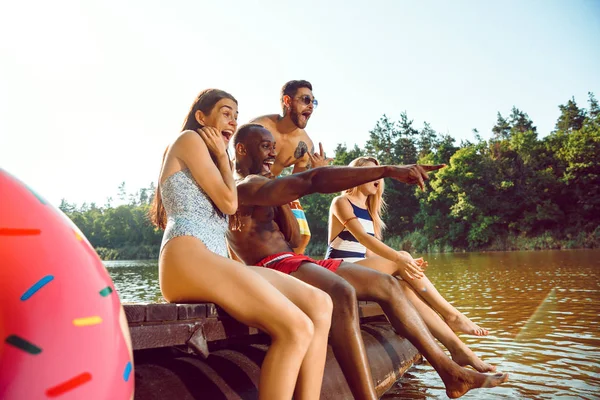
(542, 309)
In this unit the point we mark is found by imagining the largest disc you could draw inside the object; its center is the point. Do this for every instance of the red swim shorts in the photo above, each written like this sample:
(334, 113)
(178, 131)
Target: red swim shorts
(290, 262)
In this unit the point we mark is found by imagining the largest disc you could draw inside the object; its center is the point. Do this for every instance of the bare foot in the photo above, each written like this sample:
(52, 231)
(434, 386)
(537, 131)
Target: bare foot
(460, 323)
(456, 386)
(467, 357)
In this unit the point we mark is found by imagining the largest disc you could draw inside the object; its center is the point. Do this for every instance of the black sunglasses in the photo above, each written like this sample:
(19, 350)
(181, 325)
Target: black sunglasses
(306, 99)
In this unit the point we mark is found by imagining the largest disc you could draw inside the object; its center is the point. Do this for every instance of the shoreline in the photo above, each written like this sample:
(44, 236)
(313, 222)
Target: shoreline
(412, 251)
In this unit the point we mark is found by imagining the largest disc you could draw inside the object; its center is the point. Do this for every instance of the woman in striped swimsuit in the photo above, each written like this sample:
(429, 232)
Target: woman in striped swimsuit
(355, 227)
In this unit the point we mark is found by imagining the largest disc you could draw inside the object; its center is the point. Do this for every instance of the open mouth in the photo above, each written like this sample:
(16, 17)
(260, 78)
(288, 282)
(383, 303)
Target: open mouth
(227, 134)
(306, 114)
(267, 164)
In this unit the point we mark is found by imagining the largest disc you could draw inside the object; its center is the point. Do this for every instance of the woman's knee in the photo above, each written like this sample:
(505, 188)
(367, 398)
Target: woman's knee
(321, 307)
(294, 326)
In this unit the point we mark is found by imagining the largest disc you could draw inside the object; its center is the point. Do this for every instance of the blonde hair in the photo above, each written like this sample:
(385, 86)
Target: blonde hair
(375, 203)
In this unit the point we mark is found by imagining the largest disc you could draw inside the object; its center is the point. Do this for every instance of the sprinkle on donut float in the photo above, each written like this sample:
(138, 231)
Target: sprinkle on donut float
(63, 331)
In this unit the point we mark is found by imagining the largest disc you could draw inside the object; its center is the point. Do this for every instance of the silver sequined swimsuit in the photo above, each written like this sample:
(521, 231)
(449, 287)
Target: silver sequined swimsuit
(190, 213)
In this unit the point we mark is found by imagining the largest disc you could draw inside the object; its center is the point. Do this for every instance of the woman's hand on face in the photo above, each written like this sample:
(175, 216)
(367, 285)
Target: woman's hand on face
(214, 141)
(410, 266)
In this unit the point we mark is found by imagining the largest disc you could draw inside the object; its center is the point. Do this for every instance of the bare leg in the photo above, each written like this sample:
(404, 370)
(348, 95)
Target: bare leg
(346, 339)
(385, 289)
(191, 273)
(318, 306)
(461, 353)
(456, 320)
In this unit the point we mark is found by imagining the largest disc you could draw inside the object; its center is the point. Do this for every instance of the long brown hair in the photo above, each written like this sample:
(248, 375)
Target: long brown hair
(205, 102)
(375, 203)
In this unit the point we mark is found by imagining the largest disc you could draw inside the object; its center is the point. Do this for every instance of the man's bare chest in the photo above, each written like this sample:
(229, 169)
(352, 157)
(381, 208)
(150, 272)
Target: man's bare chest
(290, 151)
(252, 217)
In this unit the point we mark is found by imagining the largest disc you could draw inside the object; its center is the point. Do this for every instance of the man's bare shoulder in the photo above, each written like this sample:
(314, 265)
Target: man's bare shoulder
(303, 135)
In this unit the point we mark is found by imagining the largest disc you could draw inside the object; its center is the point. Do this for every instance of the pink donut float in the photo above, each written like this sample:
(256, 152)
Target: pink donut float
(63, 332)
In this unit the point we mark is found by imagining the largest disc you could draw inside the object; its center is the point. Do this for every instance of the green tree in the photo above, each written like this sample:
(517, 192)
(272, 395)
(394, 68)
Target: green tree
(428, 140)
(513, 191)
(594, 110)
(501, 130)
(343, 156)
(571, 117)
(381, 141)
(520, 122)
(66, 207)
(396, 143)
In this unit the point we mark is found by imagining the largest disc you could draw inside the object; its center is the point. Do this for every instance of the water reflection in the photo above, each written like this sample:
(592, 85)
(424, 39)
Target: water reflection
(541, 309)
(136, 281)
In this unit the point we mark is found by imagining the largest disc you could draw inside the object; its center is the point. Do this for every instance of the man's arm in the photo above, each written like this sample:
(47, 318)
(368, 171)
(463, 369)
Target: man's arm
(261, 191)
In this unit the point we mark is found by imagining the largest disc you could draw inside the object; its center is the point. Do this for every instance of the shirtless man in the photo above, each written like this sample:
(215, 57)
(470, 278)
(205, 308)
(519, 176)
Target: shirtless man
(263, 227)
(293, 143)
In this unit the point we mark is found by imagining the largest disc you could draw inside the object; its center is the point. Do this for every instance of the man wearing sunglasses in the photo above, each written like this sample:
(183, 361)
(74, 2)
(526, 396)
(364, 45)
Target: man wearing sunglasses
(294, 146)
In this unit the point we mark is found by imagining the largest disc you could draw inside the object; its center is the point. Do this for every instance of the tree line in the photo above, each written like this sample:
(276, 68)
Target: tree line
(513, 191)
(122, 232)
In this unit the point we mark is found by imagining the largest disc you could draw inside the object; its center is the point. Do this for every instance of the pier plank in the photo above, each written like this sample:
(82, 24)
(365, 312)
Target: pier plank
(163, 325)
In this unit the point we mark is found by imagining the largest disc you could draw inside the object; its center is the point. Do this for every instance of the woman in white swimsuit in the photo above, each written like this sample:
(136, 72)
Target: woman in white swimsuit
(195, 196)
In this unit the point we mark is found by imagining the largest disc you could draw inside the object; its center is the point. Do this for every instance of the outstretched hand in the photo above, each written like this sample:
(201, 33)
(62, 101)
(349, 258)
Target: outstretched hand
(415, 174)
(319, 159)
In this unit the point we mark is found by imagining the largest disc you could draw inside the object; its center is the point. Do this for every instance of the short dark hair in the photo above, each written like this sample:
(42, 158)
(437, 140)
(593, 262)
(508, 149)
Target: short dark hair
(291, 87)
(243, 132)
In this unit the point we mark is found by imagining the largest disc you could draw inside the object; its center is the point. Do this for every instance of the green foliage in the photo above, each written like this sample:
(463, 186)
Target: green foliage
(513, 191)
(571, 117)
(344, 157)
(118, 233)
(316, 207)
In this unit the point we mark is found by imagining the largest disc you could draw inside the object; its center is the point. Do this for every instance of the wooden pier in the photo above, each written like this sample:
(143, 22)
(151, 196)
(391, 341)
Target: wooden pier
(197, 351)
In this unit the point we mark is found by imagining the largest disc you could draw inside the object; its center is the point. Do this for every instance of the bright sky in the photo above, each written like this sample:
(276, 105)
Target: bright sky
(91, 92)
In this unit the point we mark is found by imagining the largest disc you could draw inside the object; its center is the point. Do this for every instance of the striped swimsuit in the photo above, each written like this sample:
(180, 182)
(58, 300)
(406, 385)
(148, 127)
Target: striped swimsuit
(345, 245)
